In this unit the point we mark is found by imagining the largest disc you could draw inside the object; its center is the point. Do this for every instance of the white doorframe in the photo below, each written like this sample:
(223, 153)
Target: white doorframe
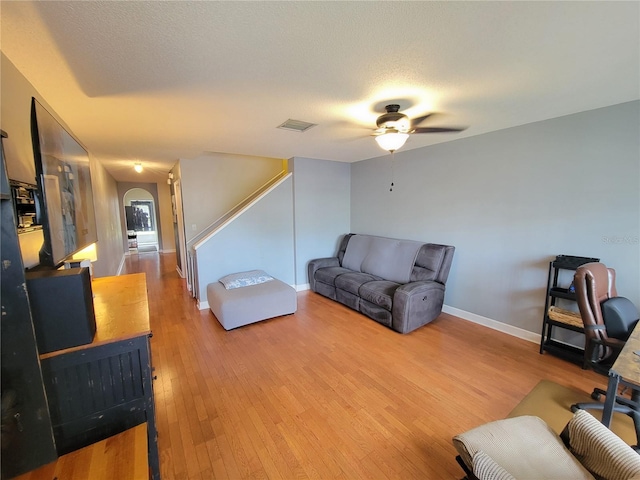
(181, 238)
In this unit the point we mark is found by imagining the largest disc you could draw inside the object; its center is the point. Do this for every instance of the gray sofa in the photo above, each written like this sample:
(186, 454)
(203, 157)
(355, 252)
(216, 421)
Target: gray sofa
(398, 283)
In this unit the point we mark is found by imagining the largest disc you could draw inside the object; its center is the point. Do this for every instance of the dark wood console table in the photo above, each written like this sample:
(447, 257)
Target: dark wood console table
(101, 389)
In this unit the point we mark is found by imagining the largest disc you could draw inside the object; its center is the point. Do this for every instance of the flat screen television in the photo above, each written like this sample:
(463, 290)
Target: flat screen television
(64, 196)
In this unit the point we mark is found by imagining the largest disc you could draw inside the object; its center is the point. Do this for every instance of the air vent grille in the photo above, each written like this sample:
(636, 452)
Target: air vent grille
(296, 125)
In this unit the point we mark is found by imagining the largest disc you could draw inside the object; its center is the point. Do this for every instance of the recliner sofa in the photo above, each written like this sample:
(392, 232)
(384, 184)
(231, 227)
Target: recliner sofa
(398, 283)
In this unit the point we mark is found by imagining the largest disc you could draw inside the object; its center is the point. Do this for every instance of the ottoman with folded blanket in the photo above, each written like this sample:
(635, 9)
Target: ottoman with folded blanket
(248, 297)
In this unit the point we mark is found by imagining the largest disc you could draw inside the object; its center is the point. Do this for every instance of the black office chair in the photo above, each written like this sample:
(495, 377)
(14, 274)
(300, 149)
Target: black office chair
(608, 321)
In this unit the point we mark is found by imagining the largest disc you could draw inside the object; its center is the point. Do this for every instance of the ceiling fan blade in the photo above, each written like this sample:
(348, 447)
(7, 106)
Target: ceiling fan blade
(419, 120)
(437, 130)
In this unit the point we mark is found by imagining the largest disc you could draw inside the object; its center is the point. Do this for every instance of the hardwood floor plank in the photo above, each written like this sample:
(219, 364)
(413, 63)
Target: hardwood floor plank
(225, 450)
(326, 393)
(219, 471)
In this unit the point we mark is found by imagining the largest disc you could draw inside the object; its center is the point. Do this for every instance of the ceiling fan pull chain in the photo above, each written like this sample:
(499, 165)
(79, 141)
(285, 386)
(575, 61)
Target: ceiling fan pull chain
(393, 162)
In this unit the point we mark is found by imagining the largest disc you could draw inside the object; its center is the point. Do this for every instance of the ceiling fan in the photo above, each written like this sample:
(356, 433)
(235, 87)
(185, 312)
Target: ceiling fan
(394, 128)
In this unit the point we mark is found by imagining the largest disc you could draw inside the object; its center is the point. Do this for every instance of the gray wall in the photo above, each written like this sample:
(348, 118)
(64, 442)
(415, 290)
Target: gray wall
(260, 238)
(321, 192)
(510, 201)
(214, 183)
(16, 93)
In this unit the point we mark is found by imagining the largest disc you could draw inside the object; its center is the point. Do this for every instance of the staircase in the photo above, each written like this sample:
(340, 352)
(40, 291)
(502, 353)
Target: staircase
(217, 257)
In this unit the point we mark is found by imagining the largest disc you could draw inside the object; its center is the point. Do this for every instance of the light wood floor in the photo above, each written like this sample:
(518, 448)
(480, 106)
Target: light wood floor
(326, 393)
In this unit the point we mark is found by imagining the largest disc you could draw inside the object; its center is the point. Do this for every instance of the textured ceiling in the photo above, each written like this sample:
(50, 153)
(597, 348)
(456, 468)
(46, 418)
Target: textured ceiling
(158, 81)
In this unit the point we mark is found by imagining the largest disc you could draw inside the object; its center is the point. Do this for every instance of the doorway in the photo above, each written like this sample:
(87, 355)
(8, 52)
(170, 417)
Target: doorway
(142, 222)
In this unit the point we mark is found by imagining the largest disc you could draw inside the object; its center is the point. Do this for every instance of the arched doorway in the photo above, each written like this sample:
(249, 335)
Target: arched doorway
(142, 220)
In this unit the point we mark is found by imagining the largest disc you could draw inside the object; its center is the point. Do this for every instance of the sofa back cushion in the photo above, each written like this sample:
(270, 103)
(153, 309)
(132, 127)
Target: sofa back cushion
(388, 258)
(357, 249)
(343, 246)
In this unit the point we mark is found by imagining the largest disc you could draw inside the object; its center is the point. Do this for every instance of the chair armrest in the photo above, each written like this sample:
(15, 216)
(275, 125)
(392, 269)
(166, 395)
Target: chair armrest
(416, 304)
(598, 349)
(317, 263)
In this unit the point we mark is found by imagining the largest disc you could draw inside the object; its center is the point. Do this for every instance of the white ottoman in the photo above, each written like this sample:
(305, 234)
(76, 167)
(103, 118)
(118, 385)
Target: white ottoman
(244, 305)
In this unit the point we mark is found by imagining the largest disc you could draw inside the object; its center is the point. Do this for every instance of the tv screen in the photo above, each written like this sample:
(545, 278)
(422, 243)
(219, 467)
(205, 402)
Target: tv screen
(65, 196)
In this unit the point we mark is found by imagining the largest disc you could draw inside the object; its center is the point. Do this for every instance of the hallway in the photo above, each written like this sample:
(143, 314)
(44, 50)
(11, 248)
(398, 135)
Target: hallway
(325, 393)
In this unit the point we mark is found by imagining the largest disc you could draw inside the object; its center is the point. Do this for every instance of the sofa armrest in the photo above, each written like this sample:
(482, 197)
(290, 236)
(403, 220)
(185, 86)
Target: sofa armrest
(317, 263)
(416, 304)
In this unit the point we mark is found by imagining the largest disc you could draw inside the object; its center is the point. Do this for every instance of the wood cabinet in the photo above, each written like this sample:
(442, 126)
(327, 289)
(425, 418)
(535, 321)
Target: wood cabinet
(105, 387)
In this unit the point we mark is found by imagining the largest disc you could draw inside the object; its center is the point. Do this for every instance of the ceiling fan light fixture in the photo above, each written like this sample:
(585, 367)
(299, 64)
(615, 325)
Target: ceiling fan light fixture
(392, 141)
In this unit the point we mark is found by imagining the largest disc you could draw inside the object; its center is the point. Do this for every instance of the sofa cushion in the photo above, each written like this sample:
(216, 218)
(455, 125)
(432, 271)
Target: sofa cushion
(374, 312)
(600, 450)
(525, 447)
(328, 275)
(357, 249)
(348, 299)
(386, 258)
(428, 262)
(343, 246)
(351, 282)
(327, 290)
(379, 292)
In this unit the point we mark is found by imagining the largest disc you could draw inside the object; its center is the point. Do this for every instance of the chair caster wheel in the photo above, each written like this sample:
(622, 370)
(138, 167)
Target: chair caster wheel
(596, 396)
(574, 408)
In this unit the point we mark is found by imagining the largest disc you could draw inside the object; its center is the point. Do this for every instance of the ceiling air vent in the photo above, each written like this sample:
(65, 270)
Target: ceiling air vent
(296, 125)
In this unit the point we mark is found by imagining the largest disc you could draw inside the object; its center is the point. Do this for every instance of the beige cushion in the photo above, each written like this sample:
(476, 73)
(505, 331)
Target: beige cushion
(600, 450)
(525, 447)
(486, 468)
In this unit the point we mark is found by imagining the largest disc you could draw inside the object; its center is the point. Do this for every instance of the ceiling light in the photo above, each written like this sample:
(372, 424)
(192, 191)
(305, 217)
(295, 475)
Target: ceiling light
(137, 167)
(392, 141)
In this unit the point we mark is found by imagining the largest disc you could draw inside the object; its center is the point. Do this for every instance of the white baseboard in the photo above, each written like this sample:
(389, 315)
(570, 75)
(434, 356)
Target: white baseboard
(121, 266)
(493, 324)
(471, 317)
